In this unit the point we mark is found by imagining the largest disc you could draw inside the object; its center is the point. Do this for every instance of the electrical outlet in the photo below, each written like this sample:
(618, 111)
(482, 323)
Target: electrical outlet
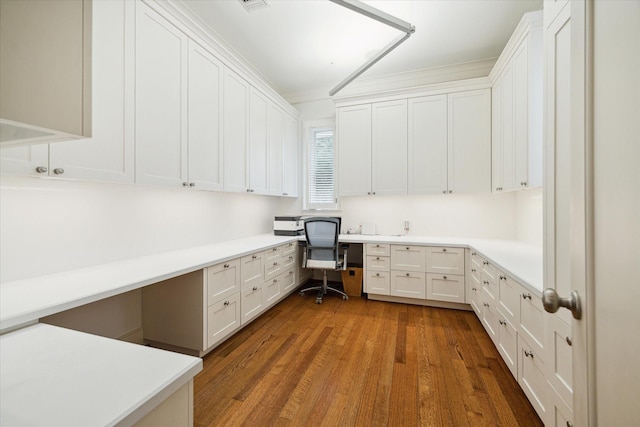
(406, 225)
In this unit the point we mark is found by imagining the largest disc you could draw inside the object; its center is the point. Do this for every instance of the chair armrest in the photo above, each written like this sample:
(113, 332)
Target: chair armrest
(344, 256)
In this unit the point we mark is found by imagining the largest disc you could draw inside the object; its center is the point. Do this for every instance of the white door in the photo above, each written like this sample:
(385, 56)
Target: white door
(354, 150)
(258, 142)
(235, 129)
(161, 98)
(427, 145)
(389, 147)
(205, 119)
(469, 135)
(616, 213)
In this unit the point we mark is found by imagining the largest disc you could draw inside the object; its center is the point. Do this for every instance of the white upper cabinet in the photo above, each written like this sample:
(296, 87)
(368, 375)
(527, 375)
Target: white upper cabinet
(161, 100)
(108, 154)
(258, 160)
(290, 158)
(389, 147)
(354, 150)
(236, 131)
(517, 109)
(275, 140)
(469, 141)
(205, 119)
(427, 150)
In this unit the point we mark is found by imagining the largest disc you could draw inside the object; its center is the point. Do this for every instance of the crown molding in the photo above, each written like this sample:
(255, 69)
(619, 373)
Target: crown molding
(410, 79)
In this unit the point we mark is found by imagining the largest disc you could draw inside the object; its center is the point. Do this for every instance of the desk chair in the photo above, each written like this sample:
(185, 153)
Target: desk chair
(322, 252)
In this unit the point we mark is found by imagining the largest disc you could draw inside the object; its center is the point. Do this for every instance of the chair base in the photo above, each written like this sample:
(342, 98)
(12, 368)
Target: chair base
(323, 289)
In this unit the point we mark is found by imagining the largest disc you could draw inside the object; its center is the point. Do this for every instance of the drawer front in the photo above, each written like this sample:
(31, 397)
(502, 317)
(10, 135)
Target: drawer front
(378, 263)
(288, 280)
(408, 284)
(490, 285)
(408, 258)
(473, 298)
(508, 345)
(251, 303)
(476, 263)
(380, 249)
(531, 377)
(509, 291)
(445, 260)
(489, 315)
(272, 269)
(223, 318)
(272, 290)
(532, 320)
(378, 282)
(489, 271)
(289, 248)
(252, 269)
(223, 280)
(445, 287)
(288, 261)
(273, 254)
(559, 357)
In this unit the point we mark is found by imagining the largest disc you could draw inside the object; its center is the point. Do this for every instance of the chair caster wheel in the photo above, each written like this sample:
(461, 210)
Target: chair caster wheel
(344, 297)
(301, 294)
(318, 301)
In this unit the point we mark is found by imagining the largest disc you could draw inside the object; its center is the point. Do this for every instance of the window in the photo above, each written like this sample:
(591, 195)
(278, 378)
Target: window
(320, 167)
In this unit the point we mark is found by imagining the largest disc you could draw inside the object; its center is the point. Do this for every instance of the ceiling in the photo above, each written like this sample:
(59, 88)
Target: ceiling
(312, 45)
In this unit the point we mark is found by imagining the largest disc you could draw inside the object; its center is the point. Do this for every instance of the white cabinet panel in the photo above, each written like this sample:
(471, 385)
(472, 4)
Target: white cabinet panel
(389, 147)
(532, 320)
(497, 172)
(272, 290)
(290, 158)
(275, 140)
(427, 145)
(378, 282)
(408, 258)
(469, 141)
(258, 159)
(381, 249)
(288, 280)
(251, 304)
(445, 287)
(509, 298)
(223, 280)
(161, 95)
(490, 314)
(222, 319)
(205, 119)
(507, 344)
(558, 359)
(408, 284)
(507, 130)
(235, 130)
(354, 150)
(252, 270)
(445, 260)
(378, 263)
(531, 377)
(25, 160)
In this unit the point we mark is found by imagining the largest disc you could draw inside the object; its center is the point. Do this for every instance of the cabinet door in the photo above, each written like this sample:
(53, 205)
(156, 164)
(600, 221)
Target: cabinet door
(508, 344)
(532, 322)
(252, 270)
(252, 303)
(258, 104)
(489, 314)
(521, 129)
(443, 287)
(161, 98)
(474, 293)
(235, 130)
(507, 130)
(381, 249)
(558, 359)
(408, 258)
(378, 263)
(354, 150)
(290, 158)
(223, 280)
(408, 284)
(427, 146)
(469, 137)
(497, 169)
(389, 148)
(109, 154)
(445, 260)
(25, 160)
(223, 318)
(272, 290)
(378, 282)
(509, 300)
(205, 119)
(531, 377)
(275, 140)
(288, 282)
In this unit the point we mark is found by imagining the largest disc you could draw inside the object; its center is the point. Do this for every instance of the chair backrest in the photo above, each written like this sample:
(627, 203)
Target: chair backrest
(322, 238)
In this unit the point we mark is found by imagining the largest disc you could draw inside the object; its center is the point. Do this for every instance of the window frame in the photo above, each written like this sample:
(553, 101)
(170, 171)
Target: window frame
(308, 128)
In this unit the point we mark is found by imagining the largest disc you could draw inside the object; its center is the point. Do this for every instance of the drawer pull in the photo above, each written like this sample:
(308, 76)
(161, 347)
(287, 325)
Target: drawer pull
(485, 262)
(408, 248)
(377, 258)
(444, 249)
(377, 274)
(503, 277)
(486, 282)
(526, 296)
(444, 277)
(255, 288)
(226, 303)
(226, 266)
(473, 270)
(569, 341)
(275, 263)
(254, 256)
(377, 246)
(275, 280)
(528, 353)
(407, 274)
(474, 289)
(473, 254)
(486, 304)
(502, 322)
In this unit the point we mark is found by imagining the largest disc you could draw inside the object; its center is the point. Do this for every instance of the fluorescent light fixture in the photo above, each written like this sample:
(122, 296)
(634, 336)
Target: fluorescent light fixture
(380, 16)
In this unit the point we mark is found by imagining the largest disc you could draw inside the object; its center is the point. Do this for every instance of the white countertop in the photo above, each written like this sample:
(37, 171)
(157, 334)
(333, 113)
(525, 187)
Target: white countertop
(25, 301)
(51, 376)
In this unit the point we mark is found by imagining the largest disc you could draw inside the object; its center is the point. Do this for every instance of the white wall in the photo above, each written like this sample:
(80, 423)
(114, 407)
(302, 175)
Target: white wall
(529, 216)
(50, 225)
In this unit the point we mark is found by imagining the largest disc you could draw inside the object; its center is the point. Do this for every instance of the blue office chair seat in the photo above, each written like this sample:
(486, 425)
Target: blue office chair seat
(322, 251)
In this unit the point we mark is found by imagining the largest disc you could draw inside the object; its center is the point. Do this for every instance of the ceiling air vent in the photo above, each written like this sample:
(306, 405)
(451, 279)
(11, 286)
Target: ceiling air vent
(254, 4)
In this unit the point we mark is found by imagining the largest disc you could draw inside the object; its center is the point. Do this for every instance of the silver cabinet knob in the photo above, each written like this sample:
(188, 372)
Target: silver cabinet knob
(377, 274)
(444, 191)
(226, 303)
(285, 194)
(226, 266)
(569, 341)
(474, 289)
(450, 191)
(473, 270)
(528, 353)
(248, 190)
(254, 256)
(42, 169)
(185, 184)
(552, 302)
(255, 288)
(526, 296)
(192, 184)
(407, 274)
(369, 193)
(58, 171)
(444, 249)
(502, 322)
(374, 193)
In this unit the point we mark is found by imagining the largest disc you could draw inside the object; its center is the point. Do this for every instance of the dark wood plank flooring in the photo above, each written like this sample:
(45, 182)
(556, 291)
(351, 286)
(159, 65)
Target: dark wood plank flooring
(359, 363)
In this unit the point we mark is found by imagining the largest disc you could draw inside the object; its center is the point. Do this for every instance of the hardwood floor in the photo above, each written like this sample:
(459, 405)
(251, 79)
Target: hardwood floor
(359, 363)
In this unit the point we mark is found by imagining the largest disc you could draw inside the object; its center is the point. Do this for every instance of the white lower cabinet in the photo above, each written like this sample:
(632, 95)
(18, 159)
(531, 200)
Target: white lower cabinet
(289, 281)
(445, 287)
(507, 343)
(559, 355)
(251, 303)
(378, 282)
(532, 320)
(223, 318)
(531, 376)
(408, 284)
(489, 314)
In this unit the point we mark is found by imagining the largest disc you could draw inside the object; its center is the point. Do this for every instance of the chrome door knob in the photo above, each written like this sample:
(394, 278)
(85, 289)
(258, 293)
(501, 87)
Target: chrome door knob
(552, 302)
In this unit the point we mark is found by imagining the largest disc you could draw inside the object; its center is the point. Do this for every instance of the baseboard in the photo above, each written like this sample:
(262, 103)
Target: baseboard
(135, 336)
(414, 301)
